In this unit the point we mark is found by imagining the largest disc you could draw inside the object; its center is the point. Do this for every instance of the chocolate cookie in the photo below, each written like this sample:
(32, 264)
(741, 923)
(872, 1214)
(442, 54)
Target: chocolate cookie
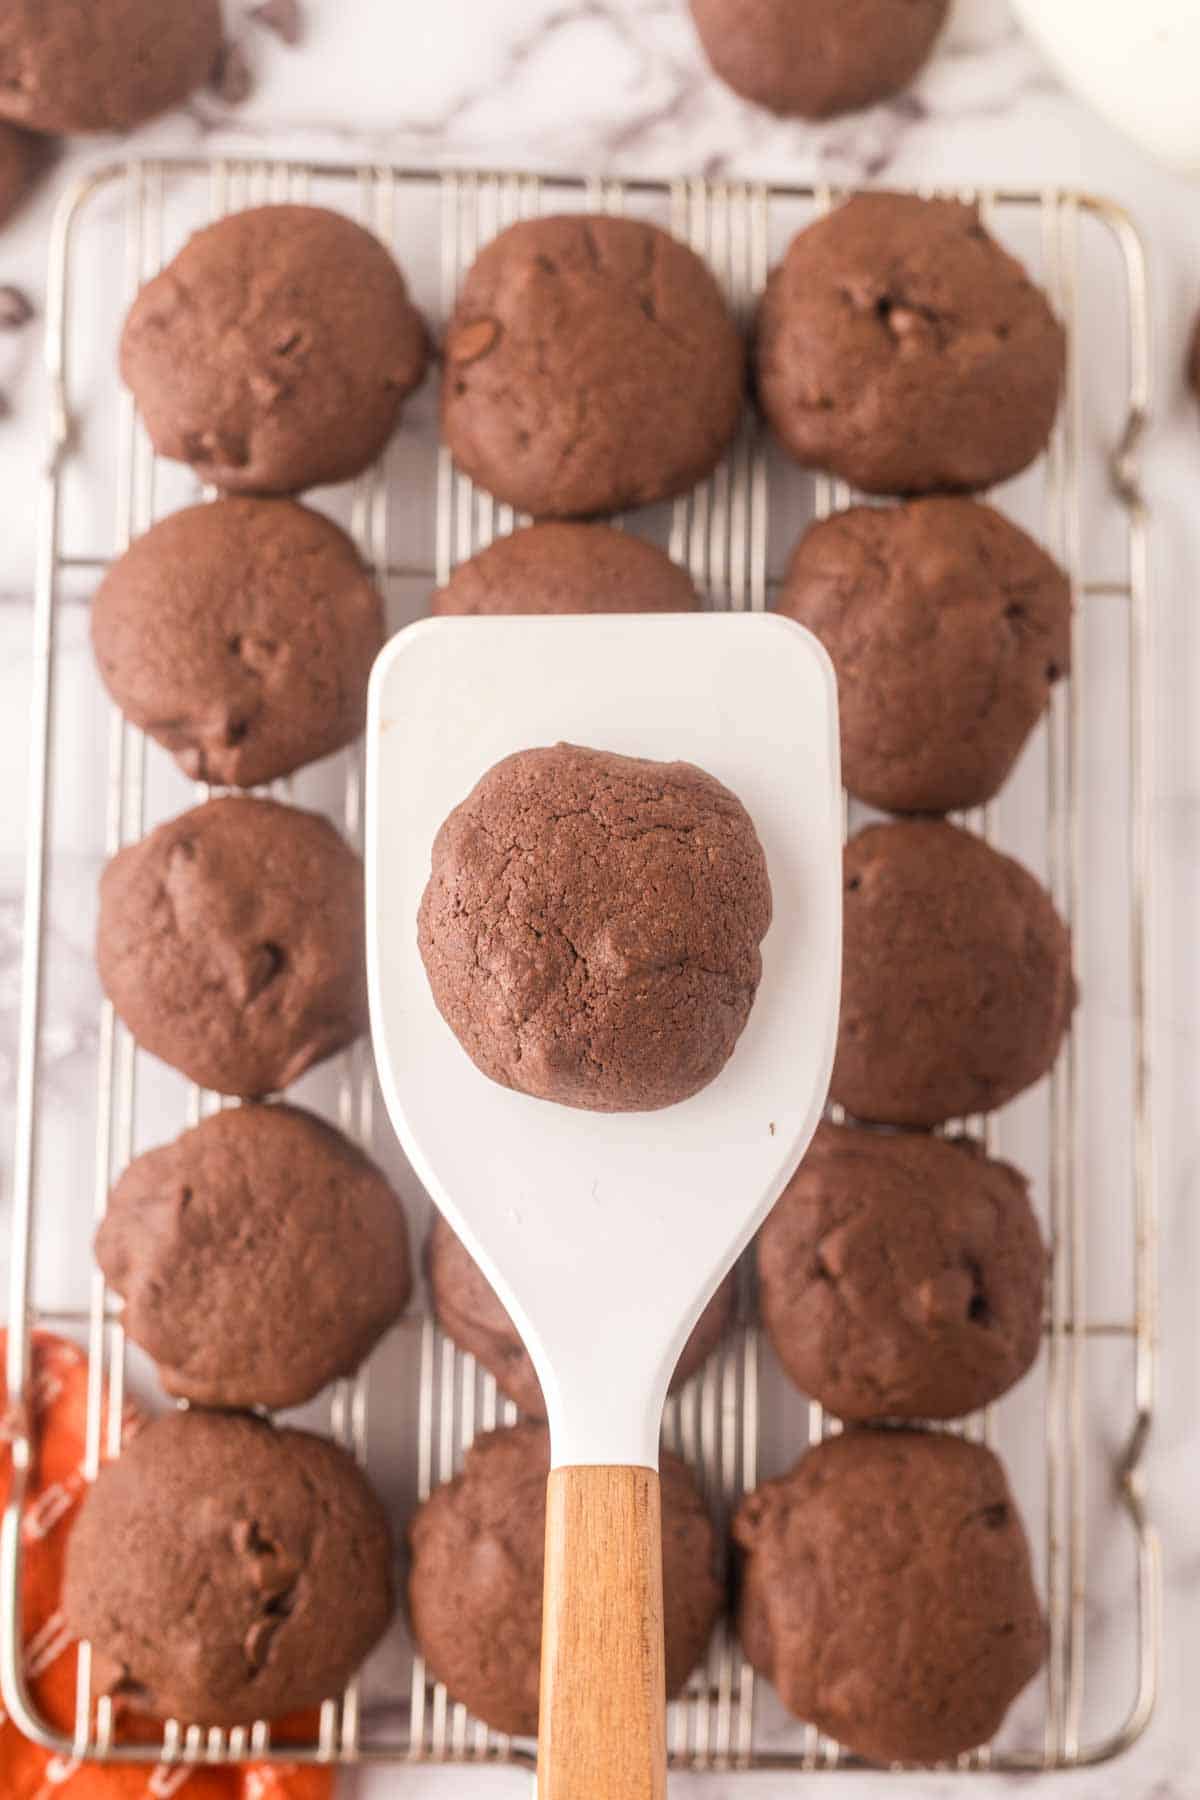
(816, 58)
(591, 364)
(226, 1571)
(1194, 360)
(900, 347)
(18, 163)
(475, 1582)
(275, 352)
(241, 636)
(948, 627)
(260, 1256)
(563, 568)
(591, 927)
(901, 1276)
(73, 65)
(470, 1311)
(230, 942)
(887, 1593)
(956, 976)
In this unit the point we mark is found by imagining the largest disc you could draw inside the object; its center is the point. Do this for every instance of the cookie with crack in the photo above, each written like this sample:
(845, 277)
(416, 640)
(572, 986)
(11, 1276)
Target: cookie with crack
(227, 1571)
(591, 364)
(901, 1276)
(475, 1581)
(231, 942)
(276, 350)
(564, 567)
(887, 1593)
(901, 348)
(240, 635)
(591, 926)
(260, 1256)
(948, 628)
(470, 1311)
(957, 987)
(73, 65)
(814, 59)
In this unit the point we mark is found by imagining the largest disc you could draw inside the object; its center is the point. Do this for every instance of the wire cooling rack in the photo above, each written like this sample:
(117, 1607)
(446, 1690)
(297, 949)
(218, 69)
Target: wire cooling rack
(1073, 1434)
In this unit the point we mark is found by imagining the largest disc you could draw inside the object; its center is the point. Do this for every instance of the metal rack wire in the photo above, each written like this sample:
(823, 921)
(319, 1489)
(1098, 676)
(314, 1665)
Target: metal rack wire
(728, 533)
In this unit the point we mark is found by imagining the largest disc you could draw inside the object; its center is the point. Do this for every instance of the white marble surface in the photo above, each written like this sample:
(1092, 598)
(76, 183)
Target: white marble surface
(596, 85)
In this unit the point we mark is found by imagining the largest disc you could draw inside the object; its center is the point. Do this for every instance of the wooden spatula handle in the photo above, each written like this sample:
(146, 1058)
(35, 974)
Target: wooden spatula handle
(603, 1731)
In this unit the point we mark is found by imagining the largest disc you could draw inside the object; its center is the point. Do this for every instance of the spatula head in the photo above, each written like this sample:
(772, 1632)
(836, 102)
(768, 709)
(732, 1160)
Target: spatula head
(605, 1234)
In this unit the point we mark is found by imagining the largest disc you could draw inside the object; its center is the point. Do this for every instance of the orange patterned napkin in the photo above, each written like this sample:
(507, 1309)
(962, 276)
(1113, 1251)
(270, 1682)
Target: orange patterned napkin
(27, 1772)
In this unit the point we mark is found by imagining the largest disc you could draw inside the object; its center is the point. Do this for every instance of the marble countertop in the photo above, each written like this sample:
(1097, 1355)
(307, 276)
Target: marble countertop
(594, 86)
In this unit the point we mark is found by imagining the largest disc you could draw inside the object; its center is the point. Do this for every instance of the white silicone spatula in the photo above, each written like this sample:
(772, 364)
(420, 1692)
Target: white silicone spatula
(1136, 64)
(605, 1234)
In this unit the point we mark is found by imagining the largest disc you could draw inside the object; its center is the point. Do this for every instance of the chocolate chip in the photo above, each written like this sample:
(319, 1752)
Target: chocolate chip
(265, 962)
(283, 17)
(248, 1539)
(232, 80)
(16, 308)
(979, 1309)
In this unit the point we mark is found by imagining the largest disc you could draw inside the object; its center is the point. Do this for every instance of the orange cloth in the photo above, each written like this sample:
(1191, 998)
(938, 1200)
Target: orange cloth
(27, 1772)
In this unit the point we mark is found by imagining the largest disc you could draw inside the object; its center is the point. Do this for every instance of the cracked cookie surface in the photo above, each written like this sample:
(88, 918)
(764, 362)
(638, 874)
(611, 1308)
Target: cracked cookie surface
(227, 1571)
(475, 1582)
(901, 348)
(562, 567)
(956, 976)
(817, 58)
(591, 364)
(591, 927)
(275, 352)
(470, 1311)
(948, 628)
(240, 635)
(73, 65)
(902, 1276)
(260, 1256)
(230, 941)
(887, 1593)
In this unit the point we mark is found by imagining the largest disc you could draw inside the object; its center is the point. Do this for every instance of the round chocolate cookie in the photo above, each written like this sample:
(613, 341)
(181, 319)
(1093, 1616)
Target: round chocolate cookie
(816, 58)
(230, 942)
(241, 636)
(567, 568)
(900, 347)
(887, 1593)
(901, 1276)
(591, 364)
(475, 1581)
(102, 65)
(948, 627)
(260, 1256)
(470, 1311)
(275, 352)
(18, 164)
(591, 927)
(956, 976)
(226, 1571)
